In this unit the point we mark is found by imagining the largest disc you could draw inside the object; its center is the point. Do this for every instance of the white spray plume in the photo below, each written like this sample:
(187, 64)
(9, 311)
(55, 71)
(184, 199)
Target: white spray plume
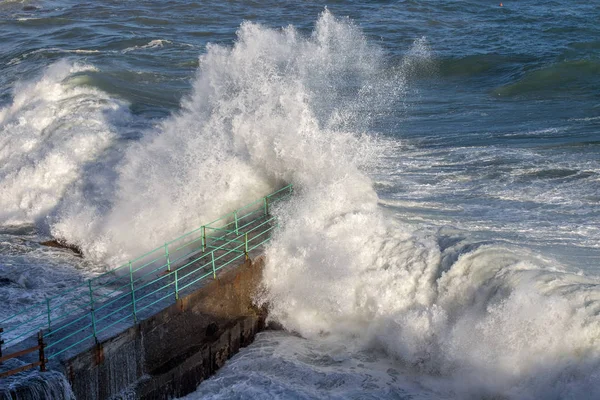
(272, 109)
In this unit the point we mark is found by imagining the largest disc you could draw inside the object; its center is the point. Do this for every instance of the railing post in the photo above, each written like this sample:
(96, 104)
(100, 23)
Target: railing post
(236, 222)
(48, 310)
(92, 312)
(132, 293)
(41, 351)
(266, 201)
(246, 245)
(176, 287)
(169, 271)
(168, 258)
(203, 238)
(213, 264)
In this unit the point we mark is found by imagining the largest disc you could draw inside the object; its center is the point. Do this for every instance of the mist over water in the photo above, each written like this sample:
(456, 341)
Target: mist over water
(431, 250)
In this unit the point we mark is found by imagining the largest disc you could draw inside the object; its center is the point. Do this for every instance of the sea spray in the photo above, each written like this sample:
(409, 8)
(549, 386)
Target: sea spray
(494, 321)
(33, 384)
(272, 109)
(48, 135)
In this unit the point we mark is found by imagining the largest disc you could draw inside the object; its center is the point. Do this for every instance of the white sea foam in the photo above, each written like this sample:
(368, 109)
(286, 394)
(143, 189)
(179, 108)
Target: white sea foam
(18, 60)
(489, 320)
(150, 45)
(587, 119)
(281, 366)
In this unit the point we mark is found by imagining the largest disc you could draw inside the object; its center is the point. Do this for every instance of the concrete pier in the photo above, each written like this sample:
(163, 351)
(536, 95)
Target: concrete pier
(170, 353)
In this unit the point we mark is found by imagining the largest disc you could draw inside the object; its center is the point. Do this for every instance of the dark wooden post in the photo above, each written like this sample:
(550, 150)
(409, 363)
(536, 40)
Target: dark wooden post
(1, 341)
(42, 355)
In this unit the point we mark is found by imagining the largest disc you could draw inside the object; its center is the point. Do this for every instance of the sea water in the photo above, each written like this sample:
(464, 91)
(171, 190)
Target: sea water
(444, 237)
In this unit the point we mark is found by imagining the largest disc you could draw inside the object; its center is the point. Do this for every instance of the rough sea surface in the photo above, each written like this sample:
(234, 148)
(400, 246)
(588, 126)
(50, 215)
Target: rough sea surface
(444, 238)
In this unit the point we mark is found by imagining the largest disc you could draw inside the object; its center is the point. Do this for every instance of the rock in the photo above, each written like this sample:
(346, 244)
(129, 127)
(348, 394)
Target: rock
(5, 281)
(62, 245)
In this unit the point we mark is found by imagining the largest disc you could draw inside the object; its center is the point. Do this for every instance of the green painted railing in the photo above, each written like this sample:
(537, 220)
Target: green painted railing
(137, 289)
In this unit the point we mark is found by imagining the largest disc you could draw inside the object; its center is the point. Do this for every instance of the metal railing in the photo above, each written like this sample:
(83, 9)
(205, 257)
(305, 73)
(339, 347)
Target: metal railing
(42, 360)
(111, 302)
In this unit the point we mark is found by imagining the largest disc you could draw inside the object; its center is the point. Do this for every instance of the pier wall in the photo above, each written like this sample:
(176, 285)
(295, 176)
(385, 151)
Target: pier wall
(170, 353)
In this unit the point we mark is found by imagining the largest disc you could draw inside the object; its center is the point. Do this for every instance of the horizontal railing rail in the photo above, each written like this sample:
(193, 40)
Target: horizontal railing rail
(42, 360)
(134, 290)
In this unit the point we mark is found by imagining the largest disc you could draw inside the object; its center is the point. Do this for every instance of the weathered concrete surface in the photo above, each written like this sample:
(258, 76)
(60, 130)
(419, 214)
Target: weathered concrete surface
(170, 353)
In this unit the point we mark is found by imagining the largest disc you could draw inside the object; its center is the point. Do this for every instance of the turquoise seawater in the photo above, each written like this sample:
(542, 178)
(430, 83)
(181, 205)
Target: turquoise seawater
(445, 237)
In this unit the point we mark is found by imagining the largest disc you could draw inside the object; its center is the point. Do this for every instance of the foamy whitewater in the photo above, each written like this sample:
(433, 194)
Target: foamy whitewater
(404, 267)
